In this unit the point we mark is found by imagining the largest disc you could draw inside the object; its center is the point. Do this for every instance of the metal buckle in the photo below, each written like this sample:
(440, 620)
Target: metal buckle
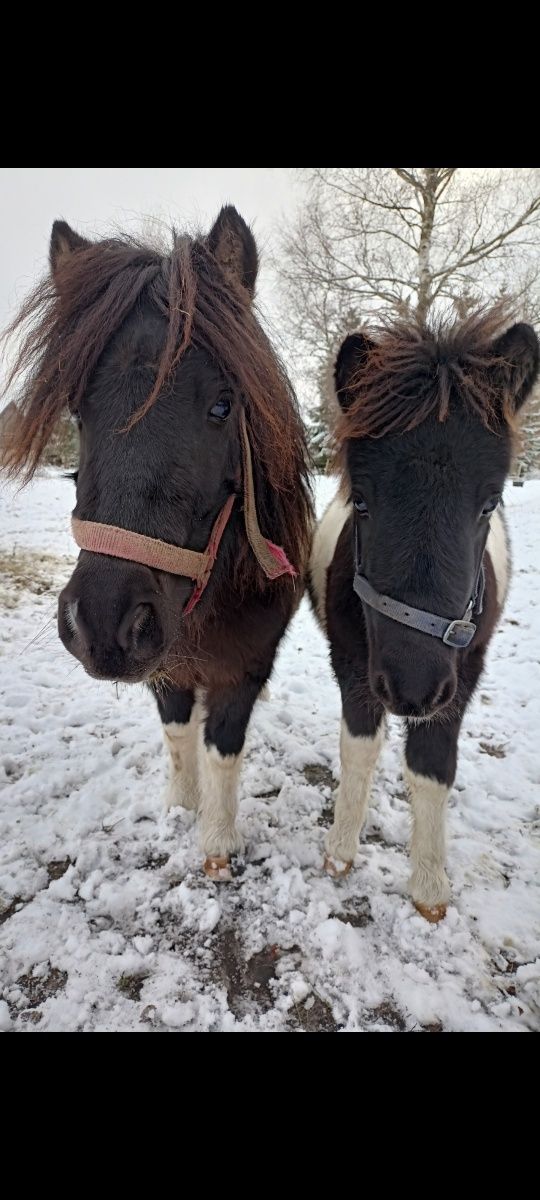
(459, 634)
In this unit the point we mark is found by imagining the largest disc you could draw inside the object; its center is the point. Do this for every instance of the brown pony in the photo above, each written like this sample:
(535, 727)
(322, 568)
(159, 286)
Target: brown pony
(189, 436)
(410, 565)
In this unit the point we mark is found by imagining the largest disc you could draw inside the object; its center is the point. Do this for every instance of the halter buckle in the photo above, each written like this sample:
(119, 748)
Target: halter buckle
(459, 634)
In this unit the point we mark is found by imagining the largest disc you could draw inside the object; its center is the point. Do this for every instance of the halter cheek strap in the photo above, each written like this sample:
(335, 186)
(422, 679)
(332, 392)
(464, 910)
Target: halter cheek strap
(177, 560)
(457, 633)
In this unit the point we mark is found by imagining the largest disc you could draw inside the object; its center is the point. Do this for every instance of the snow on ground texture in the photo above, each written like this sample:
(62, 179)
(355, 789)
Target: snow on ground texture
(106, 920)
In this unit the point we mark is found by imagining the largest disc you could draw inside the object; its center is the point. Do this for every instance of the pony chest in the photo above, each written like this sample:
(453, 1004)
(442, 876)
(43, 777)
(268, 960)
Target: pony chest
(222, 651)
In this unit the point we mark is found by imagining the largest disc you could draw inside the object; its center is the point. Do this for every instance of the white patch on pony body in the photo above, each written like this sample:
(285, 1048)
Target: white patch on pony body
(323, 550)
(429, 884)
(498, 550)
(182, 742)
(220, 774)
(358, 758)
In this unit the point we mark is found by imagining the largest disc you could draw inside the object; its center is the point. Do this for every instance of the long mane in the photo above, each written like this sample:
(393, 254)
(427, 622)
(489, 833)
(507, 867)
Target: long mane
(64, 326)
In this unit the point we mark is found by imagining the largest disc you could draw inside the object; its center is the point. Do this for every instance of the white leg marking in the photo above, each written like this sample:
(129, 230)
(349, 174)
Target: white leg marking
(497, 548)
(358, 758)
(429, 884)
(323, 550)
(182, 742)
(219, 801)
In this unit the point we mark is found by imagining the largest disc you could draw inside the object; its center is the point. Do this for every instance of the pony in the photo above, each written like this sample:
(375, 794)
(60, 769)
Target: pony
(191, 443)
(409, 568)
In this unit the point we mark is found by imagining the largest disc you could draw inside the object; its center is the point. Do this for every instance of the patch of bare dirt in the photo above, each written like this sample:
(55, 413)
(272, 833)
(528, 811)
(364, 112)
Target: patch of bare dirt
(37, 989)
(315, 1016)
(494, 751)
(358, 913)
(131, 986)
(56, 869)
(10, 909)
(387, 1014)
(326, 815)
(246, 982)
(156, 862)
(24, 571)
(31, 1016)
(318, 776)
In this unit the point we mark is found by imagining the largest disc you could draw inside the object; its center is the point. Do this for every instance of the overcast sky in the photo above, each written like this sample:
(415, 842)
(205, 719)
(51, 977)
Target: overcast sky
(94, 198)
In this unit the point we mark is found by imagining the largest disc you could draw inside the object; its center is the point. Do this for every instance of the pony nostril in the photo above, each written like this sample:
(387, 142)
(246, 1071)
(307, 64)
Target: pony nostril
(141, 623)
(139, 629)
(71, 608)
(445, 692)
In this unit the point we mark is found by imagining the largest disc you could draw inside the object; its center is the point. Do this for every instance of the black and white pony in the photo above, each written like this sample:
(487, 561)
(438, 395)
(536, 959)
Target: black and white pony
(410, 564)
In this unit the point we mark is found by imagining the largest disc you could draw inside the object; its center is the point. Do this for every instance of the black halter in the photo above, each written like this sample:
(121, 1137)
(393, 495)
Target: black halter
(457, 633)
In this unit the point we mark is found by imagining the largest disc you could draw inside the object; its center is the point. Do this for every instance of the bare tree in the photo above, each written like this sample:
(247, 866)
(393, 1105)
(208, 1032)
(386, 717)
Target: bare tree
(527, 460)
(402, 239)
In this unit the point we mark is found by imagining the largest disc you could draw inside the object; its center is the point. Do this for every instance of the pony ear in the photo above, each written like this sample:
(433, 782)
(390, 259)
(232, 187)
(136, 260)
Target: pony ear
(64, 242)
(234, 248)
(521, 353)
(352, 356)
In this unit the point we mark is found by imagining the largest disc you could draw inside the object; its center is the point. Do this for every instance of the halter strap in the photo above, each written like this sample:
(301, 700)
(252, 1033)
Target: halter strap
(457, 633)
(271, 558)
(178, 560)
(151, 552)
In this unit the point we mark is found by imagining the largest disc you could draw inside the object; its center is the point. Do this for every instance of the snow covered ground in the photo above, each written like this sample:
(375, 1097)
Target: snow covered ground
(106, 920)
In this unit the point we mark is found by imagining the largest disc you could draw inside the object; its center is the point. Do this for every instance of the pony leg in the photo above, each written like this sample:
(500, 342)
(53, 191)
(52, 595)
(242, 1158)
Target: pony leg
(431, 761)
(181, 717)
(431, 758)
(221, 753)
(362, 736)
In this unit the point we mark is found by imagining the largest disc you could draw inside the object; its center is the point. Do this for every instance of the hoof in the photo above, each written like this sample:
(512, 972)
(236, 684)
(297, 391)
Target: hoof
(431, 914)
(217, 868)
(336, 868)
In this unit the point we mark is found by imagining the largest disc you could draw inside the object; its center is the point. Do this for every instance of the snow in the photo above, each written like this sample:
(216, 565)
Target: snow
(107, 922)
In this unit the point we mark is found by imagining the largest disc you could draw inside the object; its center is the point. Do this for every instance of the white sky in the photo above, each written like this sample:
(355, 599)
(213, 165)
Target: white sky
(94, 198)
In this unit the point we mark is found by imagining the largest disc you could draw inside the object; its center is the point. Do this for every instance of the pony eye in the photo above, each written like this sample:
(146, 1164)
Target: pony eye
(221, 408)
(361, 507)
(490, 506)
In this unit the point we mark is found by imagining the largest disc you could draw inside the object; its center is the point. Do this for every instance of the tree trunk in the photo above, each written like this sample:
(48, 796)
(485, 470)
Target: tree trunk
(427, 216)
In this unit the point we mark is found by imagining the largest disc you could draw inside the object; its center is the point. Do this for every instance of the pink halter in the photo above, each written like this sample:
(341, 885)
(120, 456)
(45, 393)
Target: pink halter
(194, 564)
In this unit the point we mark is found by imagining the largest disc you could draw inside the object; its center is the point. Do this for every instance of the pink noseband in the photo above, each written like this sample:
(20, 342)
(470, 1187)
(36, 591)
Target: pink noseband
(194, 564)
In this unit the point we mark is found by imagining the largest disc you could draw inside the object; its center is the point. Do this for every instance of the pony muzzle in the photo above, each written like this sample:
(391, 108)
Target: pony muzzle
(411, 675)
(114, 618)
